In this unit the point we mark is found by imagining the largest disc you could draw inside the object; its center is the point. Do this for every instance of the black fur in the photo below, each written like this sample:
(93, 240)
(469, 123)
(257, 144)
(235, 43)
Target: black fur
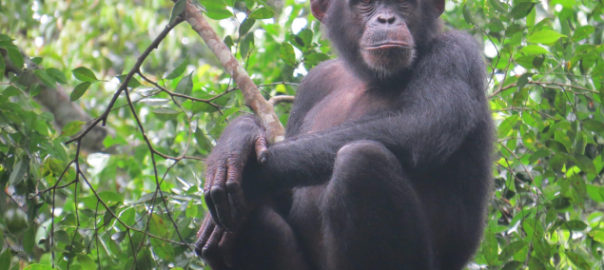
(377, 171)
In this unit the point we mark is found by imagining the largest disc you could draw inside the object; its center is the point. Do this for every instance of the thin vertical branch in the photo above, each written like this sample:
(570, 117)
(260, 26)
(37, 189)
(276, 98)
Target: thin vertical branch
(262, 108)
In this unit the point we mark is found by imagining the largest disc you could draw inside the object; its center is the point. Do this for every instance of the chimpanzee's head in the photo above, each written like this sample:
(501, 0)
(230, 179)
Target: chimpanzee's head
(379, 38)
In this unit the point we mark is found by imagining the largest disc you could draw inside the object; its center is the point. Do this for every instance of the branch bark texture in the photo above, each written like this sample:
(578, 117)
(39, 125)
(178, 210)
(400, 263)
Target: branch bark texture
(253, 99)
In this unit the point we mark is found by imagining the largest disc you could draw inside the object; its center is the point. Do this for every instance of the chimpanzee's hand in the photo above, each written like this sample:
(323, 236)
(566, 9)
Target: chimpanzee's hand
(215, 245)
(242, 144)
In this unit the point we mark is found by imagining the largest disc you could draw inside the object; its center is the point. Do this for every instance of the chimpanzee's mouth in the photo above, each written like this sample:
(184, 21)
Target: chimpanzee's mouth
(388, 45)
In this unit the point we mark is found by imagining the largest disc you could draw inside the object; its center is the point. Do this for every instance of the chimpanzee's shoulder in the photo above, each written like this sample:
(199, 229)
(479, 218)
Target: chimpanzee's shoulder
(319, 80)
(325, 69)
(456, 43)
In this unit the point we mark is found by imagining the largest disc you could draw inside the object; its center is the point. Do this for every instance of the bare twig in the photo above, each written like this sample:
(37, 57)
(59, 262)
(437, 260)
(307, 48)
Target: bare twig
(124, 85)
(281, 99)
(174, 94)
(545, 84)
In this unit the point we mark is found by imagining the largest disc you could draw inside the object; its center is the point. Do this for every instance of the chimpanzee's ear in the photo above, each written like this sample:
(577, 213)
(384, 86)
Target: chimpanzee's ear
(319, 8)
(439, 6)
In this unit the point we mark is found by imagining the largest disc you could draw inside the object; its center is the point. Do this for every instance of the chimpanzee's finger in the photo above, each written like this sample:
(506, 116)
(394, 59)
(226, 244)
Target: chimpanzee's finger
(226, 247)
(211, 246)
(219, 197)
(207, 194)
(261, 149)
(211, 252)
(209, 179)
(205, 229)
(204, 233)
(234, 195)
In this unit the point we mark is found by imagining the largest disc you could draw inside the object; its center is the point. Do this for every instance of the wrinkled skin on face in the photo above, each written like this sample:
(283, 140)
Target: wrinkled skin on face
(387, 35)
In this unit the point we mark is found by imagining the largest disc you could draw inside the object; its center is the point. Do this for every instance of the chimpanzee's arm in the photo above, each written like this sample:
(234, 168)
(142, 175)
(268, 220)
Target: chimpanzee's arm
(428, 132)
(443, 102)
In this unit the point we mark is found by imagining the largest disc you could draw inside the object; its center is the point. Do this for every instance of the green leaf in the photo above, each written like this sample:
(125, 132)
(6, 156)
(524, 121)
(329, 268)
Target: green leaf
(38, 266)
(37, 60)
(216, 9)
(191, 211)
(287, 54)
(165, 113)
(72, 128)
(2, 66)
(107, 218)
(583, 32)
(564, 3)
(313, 58)
(262, 13)
(177, 10)
(467, 14)
(228, 41)
(178, 70)
(506, 126)
(4, 37)
(245, 26)
(305, 37)
(160, 227)
(197, 107)
(5, 257)
(546, 36)
(597, 235)
(86, 262)
(111, 197)
(132, 83)
(18, 172)
(533, 50)
(128, 216)
(79, 91)
(595, 192)
(84, 74)
(185, 85)
(15, 57)
(578, 259)
(203, 142)
(575, 225)
(561, 203)
(56, 74)
(246, 45)
(498, 5)
(513, 265)
(522, 81)
(586, 164)
(520, 10)
(11, 91)
(511, 249)
(45, 78)
(144, 260)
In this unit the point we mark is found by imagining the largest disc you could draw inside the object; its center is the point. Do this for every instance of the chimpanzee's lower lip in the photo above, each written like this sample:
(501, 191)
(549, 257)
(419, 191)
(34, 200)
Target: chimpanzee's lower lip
(390, 45)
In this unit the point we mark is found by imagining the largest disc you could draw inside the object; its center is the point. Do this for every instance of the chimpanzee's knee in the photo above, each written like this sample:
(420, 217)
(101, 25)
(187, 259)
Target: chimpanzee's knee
(369, 204)
(366, 158)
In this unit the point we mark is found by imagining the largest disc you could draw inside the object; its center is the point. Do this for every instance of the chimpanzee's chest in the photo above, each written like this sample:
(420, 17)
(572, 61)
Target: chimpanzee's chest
(343, 105)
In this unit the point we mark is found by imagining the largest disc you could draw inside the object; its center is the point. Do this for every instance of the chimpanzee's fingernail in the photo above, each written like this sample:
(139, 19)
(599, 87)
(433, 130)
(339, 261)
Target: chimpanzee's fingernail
(263, 157)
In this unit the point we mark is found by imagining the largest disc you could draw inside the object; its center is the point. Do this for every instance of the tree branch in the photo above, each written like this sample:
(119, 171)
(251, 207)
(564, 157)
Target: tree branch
(57, 102)
(253, 99)
(281, 99)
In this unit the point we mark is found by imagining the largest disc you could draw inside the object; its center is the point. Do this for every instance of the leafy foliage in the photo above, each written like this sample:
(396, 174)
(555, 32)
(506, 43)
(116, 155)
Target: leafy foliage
(137, 204)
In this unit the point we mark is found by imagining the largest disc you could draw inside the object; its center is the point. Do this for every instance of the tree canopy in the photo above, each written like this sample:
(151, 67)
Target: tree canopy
(107, 109)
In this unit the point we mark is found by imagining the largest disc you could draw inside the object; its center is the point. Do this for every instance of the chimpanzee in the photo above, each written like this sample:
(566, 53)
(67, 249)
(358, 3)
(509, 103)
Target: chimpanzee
(386, 160)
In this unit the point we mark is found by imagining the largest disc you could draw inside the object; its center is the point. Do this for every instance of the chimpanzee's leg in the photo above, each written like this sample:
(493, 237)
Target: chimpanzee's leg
(372, 215)
(267, 242)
